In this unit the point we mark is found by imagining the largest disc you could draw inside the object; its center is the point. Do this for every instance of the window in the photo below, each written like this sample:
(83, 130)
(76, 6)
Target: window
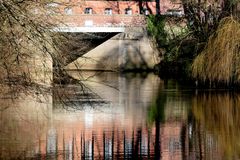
(174, 12)
(108, 11)
(88, 11)
(128, 11)
(68, 10)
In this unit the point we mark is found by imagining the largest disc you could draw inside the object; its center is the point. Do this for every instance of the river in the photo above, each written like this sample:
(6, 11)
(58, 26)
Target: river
(119, 116)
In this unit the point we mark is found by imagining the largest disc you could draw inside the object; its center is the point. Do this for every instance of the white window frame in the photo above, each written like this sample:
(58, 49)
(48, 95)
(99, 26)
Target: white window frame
(108, 11)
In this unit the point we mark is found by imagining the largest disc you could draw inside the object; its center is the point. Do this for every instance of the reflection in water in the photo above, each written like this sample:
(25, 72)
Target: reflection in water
(217, 126)
(114, 123)
(23, 121)
(121, 117)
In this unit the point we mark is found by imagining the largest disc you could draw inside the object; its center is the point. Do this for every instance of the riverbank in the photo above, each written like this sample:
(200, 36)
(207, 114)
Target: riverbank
(210, 59)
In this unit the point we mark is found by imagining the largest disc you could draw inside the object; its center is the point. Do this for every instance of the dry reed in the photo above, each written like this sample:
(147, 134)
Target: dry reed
(220, 60)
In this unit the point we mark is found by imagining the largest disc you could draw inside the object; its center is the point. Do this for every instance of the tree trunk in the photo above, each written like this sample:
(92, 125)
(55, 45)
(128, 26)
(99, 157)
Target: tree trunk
(158, 11)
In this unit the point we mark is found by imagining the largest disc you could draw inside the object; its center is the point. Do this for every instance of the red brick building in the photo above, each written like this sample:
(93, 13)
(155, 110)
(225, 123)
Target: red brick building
(75, 7)
(120, 13)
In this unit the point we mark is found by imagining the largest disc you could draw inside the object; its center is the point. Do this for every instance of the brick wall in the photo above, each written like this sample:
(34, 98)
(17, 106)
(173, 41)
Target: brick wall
(104, 20)
(118, 7)
(77, 17)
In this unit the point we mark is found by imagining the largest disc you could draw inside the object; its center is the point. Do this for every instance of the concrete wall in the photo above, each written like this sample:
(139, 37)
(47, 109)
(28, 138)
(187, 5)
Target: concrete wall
(125, 51)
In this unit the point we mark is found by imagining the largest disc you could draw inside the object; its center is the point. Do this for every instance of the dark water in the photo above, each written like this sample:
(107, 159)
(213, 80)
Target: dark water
(120, 117)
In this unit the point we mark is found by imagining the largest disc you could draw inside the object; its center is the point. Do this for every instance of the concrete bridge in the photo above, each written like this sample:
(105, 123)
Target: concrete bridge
(108, 42)
(103, 35)
(110, 35)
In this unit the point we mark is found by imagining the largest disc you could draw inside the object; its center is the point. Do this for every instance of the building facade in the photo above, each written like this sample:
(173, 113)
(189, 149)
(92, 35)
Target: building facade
(113, 13)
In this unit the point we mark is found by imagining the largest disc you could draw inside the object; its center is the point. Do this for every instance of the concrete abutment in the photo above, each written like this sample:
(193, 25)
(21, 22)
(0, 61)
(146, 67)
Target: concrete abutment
(130, 50)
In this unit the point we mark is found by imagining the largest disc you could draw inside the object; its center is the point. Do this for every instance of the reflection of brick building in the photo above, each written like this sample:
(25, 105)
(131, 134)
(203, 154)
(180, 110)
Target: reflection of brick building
(37, 130)
(118, 130)
(87, 134)
(136, 143)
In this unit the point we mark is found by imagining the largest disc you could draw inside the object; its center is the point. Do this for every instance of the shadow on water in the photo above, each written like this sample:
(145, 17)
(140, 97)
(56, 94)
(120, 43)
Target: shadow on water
(121, 117)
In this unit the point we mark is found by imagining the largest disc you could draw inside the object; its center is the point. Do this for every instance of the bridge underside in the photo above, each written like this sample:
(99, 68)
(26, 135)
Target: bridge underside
(78, 44)
(74, 46)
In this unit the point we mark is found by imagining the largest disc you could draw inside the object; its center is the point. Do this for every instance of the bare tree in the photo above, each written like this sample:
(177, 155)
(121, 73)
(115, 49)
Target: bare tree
(28, 47)
(204, 16)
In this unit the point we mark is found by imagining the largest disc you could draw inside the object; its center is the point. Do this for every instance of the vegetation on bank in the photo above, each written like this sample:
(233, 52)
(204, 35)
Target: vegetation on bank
(220, 60)
(168, 34)
(206, 49)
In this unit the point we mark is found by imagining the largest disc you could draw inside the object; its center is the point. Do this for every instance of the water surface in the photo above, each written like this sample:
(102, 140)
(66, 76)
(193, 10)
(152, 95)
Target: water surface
(112, 116)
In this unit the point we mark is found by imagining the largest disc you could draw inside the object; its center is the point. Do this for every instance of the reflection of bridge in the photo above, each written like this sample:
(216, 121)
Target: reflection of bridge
(44, 132)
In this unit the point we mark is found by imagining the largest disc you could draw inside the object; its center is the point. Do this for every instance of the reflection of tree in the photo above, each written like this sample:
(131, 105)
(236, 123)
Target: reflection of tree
(169, 112)
(219, 114)
(156, 114)
(22, 124)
